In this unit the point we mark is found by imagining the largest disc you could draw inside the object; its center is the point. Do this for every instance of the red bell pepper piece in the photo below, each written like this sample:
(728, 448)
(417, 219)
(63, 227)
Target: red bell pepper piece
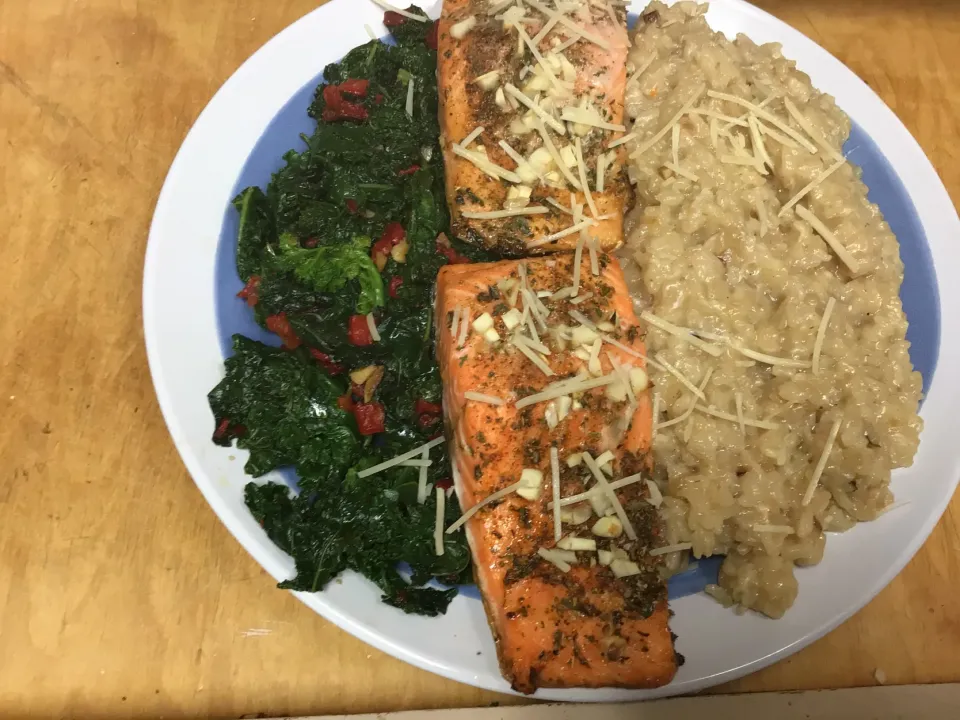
(370, 418)
(355, 87)
(392, 19)
(432, 39)
(251, 291)
(396, 282)
(422, 406)
(358, 332)
(326, 361)
(408, 171)
(280, 325)
(352, 206)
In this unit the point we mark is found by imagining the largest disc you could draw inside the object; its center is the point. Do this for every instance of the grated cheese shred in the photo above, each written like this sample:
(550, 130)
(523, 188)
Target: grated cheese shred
(842, 253)
(555, 477)
(438, 522)
(802, 193)
(822, 462)
(611, 495)
(821, 333)
(483, 398)
(386, 465)
(477, 507)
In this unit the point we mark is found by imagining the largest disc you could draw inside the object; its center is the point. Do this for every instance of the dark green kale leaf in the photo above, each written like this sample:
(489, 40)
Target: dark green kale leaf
(256, 233)
(363, 525)
(287, 407)
(328, 268)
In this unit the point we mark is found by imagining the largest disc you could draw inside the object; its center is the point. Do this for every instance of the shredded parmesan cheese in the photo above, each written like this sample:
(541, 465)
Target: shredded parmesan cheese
(438, 523)
(681, 172)
(764, 528)
(675, 137)
(422, 480)
(562, 208)
(808, 128)
(495, 214)
(760, 112)
(555, 155)
(483, 503)
(821, 333)
(547, 239)
(483, 398)
(455, 324)
(582, 168)
(370, 32)
(611, 495)
(569, 24)
(762, 424)
(551, 557)
(533, 357)
(546, 117)
(670, 549)
(845, 257)
(465, 143)
(769, 359)
(464, 327)
(577, 258)
(680, 333)
(592, 492)
(822, 462)
(660, 134)
(698, 392)
(409, 107)
(490, 168)
(555, 476)
(565, 387)
(372, 326)
(802, 193)
(601, 169)
(738, 398)
(655, 496)
(759, 149)
(386, 465)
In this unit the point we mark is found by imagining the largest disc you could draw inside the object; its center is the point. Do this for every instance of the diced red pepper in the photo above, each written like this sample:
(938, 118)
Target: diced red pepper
(355, 87)
(326, 361)
(336, 108)
(393, 233)
(310, 243)
(408, 171)
(345, 402)
(433, 36)
(358, 332)
(280, 325)
(370, 418)
(352, 206)
(392, 19)
(396, 282)
(225, 431)
(221, 432)
(251, 291)
(445, 249)
(425, 421)
(445, 484)
(378, 99)
(422, 406)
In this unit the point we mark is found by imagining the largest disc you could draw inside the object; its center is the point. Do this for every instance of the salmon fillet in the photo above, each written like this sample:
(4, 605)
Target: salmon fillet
(585, 627)
(585, 77)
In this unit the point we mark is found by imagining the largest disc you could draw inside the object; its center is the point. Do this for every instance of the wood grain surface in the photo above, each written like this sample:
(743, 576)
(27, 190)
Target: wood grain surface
(120, 592)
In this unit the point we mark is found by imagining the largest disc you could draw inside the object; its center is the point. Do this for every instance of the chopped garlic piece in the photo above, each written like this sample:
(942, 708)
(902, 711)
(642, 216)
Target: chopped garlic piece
(571, 542)
(574, 460)
(488, 81)
(460, 29)
(491, 336)
(512, 318)
(607, 527)
(483, 323)
(624, 568)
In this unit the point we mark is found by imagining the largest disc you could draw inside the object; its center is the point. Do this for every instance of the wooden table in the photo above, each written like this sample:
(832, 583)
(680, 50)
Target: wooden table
(120, 592)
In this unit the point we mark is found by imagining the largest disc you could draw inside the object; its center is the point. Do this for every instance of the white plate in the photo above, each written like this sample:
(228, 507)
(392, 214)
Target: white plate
(184, 326)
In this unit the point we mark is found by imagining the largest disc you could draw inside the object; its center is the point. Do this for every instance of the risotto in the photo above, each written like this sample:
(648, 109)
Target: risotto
(784, 389)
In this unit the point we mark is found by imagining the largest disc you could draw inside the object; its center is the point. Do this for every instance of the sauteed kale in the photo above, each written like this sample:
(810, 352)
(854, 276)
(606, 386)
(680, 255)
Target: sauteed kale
(353, 225)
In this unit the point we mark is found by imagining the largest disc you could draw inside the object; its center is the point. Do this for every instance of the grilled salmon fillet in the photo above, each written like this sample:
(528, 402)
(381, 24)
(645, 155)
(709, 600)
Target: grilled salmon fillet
(489, 75)
(595, 615)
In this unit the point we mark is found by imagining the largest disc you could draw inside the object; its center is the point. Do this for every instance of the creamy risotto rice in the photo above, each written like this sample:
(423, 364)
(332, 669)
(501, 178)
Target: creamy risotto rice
(752, 229)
